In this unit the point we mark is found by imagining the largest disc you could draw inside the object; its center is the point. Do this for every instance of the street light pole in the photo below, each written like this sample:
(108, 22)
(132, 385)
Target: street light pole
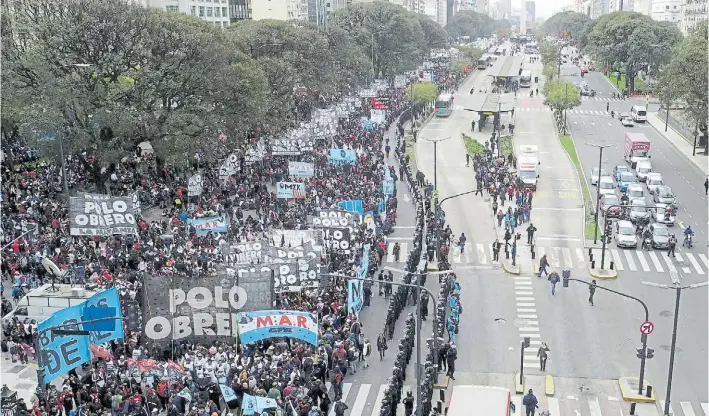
(598, 186)
(678, 292)
(435, 188)
(565, 283)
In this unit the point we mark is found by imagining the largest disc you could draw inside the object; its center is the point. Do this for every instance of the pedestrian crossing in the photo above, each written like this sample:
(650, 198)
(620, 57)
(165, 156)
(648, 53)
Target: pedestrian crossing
(570, 258)
(364, 399)
(598, 98)
(527, 317)
(598, 113)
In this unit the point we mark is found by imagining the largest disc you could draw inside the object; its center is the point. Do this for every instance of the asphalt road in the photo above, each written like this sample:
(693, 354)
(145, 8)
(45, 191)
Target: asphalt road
(590, 124)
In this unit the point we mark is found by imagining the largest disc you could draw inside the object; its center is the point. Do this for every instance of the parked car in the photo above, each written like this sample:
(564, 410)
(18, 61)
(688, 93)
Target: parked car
(594, 175)
(661, 215)
(624, 179)
(625, 234)
(660, 236)
(642, 169)
(654, 180)
(635, 191)
(639, 211)
(606, 186)
(664, 195)
(610, 206)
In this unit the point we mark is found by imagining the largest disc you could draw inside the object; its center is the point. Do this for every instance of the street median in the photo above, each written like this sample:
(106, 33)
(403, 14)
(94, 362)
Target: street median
(589, 216)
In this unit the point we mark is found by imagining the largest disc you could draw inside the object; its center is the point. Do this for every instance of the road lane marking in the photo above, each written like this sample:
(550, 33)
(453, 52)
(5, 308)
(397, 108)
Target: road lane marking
(629, 259)
(361, 400)
(662, 405)
(345, 391)
(380, 397)
(567, 257)
(679, 257)
(668, 262)
(481, 253)
(553, 404)
(594, 406)
(580, 256)
(554, 262)
(526, 304)
(530, 335)
(705, 408)
(687, 408)
(616, 259)
(529, 329)
(695, 263)
(706, 263)
(656, 261)
(524, 299)
(527, 316)
(643, 262)
(526, 310)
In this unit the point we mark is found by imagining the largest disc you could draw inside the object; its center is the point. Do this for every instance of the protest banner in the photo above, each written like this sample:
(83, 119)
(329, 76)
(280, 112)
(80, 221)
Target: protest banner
(229, 167)
(290, 190)
(248, 252)
(332, 218)
(301, 169)
(259, 325)
(102, 215)
(205, 225)
(337, 239)
(352, 205)
(342, 156)
(290, 147)
(194, 185)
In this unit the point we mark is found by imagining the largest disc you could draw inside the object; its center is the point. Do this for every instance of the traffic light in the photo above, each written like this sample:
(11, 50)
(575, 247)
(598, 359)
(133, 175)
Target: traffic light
(650, 353)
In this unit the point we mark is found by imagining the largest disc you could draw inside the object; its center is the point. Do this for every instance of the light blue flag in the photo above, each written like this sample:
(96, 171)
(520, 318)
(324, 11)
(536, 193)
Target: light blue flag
(227, 392)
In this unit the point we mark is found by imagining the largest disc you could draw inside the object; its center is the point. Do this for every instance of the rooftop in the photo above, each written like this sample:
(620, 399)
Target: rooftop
(488, 102)
(507, 66)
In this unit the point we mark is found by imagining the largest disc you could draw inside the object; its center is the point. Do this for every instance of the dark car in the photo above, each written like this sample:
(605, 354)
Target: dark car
(660, 236)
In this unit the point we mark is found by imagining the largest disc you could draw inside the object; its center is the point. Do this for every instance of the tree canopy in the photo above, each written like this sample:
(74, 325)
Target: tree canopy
(631, 41)
(111, 74)
(575, 25)
(685, 76)
(561, 95)
(423, 92)
(475, 25)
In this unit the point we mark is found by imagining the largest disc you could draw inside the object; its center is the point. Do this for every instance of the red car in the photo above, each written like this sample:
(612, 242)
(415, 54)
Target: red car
(609, 206)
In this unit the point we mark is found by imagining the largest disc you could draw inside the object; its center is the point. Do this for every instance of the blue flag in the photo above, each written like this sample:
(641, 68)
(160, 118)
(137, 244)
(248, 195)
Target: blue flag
(227, 392)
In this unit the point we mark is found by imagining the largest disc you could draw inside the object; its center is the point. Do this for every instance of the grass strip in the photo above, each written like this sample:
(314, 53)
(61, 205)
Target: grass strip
(619, 82)
(507, 146)
(411, 152)
(471, 145)
(568, 144)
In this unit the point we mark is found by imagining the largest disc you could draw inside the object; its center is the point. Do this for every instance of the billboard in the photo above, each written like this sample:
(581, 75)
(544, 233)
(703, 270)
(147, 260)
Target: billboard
(103, 215)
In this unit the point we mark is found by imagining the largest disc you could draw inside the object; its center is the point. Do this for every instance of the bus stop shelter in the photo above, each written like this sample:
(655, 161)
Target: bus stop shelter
(506, 70)
(490, 105)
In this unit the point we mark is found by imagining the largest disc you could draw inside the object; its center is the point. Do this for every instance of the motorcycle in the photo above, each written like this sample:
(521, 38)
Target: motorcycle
(687, 241)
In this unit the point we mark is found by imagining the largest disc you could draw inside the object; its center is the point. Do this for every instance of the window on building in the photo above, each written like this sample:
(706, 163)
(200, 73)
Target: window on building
(225, 13)
(193, 10)
(209, 12)
(216, 12)
(201, 11)
(172, 8)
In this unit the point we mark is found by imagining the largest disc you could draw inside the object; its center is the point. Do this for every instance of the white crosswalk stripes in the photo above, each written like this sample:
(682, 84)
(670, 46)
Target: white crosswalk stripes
(598, 98)
(553, 406)
(564, 257)
(527, 316)
(361, 401)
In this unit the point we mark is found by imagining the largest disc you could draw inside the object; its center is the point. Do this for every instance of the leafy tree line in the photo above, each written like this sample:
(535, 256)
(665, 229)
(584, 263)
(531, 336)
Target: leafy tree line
(107, 75)
(632, 42)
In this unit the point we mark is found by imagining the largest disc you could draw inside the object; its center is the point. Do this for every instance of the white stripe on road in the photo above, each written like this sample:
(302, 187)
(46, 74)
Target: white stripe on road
(530, 335)
(706, 263)
(481, 253)
(629, 259)
(526, 310)
(524, 298)
(679, 257)
(656, 261)
(643, 262)
(523, 284)
(526, 316)
(553, 404)
(662, 406)
(529, 329)
(705, 408)
(361, 400)
(390, 253)
(668, 261)
(581, 258)
(555, 261)
(526, 305)
(378, 401)
(524, 292)
(568, 263)
(345, 391)
(594, 406)
(687, 408)
(616, 259)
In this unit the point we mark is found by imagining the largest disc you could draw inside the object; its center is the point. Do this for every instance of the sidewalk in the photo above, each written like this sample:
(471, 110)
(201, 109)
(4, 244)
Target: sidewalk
(679, 142)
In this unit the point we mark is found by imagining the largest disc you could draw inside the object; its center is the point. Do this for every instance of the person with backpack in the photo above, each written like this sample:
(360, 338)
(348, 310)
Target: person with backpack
(340, 408)
(337, 384)
(530, 403)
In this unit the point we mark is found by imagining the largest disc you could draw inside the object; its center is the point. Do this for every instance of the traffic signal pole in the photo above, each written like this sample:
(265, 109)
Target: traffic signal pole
(643, 352)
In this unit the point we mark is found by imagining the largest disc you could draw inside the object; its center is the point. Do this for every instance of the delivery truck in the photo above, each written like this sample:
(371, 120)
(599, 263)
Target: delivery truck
(480, 401)
(637, 148)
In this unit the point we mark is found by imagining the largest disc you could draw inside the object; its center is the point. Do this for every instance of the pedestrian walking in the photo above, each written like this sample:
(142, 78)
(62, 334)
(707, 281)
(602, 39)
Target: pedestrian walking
(467, 159)
(381, 346)
(530, 233)
(543, 264)
(608, 106)
(461, 242)
(591, 291)
(367, 351)
(672, 245)
(706, 186)
(496, 250)
(543, 354)
(553, 279)
(530, 403)
(450, 358)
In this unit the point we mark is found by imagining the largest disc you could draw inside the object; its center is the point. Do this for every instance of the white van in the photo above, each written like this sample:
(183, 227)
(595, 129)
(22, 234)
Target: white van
(638, 113)
(642, 169)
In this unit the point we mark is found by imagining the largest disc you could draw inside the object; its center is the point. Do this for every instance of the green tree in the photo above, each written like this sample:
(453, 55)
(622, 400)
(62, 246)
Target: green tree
(474, 25)
(685, 77)
(423, 92)
(391, 37)
(624, 40)
(549, 53)
(575, 25)
(549, 71)
(561, 95)
(468, 56)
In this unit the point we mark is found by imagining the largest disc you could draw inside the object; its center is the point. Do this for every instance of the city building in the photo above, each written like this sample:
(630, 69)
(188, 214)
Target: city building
(272, 9)
(530, 15)
(215, 11)
(238, 10)
(642, 6)
(666, 11)
(692, 12)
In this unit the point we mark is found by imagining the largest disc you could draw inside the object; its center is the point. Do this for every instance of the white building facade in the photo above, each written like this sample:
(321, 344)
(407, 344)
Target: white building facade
(214, 11)
(666, 11)
(692, 12)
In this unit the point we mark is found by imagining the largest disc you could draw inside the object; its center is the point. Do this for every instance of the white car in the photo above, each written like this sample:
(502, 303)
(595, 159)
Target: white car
(662, 215)
(625, 234)
(642, 169)
(626, 121)
(594, 175)
(606, 186)
(635, 191)
(654, 180)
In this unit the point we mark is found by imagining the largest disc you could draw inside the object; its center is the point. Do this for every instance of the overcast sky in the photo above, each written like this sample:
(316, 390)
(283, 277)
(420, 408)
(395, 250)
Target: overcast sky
(544, 8)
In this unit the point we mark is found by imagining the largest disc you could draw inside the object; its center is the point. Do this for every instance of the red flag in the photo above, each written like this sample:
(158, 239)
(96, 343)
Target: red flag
(377, 105)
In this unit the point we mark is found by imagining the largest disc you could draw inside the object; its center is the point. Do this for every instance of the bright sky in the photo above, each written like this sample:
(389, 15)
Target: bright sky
(544, 8)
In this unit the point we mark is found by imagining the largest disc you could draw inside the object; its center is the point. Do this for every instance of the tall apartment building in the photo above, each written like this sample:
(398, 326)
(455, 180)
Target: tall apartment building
(642, 6)
(238, 10)
(530, 13)
(272, 9)
(214, 11)
(666, 11)
(692, 12)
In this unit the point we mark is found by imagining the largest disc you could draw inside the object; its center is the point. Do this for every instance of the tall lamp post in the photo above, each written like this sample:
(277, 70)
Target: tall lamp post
(435, 186)
(598, 184)
(678, 292)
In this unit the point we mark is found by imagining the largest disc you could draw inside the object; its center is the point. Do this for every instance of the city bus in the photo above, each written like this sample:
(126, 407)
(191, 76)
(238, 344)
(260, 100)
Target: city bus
(444, 105)
(483, 62)
(525, 79)
(480, 400)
